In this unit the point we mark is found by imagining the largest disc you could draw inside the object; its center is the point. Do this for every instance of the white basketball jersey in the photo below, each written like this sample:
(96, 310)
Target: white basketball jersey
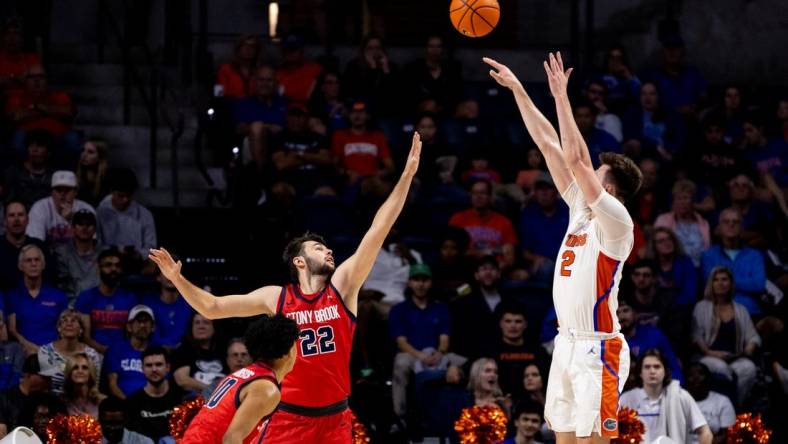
(589, 263)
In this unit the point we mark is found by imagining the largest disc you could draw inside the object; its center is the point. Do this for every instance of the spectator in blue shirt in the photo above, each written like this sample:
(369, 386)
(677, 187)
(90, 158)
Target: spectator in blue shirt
(598, 141)
(649, 129)
(105, 308)
(622, 84)
(542, 226)
(756, 216)
(766, 156)
(12, 357)
(675, 273)
(682, 86)
(34, 306)
(549, 330)
(420, 327)
(642, 337)
(172, 313)
(261, 114)
(124, 359)
(749, 271)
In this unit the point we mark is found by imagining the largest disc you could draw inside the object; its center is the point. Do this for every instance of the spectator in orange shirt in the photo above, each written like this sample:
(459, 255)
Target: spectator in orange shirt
(363, 154)
(37, 107)
(296, 76)
(14, 62)
(237, 77)
(491, 232)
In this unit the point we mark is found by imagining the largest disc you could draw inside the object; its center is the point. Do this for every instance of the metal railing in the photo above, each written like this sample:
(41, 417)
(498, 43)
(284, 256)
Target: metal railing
(152, 89)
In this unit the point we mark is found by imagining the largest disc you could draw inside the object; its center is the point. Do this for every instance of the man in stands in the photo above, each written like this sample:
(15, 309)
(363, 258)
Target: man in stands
(50, 217)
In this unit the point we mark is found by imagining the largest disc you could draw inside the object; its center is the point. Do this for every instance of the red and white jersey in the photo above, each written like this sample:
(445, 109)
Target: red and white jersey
(321, 375)
(598, 240)
(214, 418)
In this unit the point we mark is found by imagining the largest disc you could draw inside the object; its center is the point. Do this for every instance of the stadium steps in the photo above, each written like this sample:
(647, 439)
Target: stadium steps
(97, 91)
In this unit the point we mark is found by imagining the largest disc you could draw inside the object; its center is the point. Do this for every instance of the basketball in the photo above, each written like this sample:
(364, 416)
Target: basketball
(474, 18)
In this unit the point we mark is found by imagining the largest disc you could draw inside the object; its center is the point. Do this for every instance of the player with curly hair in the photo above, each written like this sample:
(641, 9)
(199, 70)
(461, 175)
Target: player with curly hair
(242, 404)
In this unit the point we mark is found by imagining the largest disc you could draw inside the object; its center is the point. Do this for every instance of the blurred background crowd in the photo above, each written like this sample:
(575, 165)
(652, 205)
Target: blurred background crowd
(458, 308)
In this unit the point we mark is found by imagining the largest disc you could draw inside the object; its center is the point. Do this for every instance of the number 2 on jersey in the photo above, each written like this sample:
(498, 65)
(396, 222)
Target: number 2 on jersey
(317, 342)
(568, 258)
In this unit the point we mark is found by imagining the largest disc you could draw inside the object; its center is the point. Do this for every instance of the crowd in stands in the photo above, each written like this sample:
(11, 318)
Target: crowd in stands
(457, 310)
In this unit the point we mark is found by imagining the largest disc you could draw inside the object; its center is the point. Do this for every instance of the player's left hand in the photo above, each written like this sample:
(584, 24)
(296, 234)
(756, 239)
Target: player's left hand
(556, 76)
(412, 164)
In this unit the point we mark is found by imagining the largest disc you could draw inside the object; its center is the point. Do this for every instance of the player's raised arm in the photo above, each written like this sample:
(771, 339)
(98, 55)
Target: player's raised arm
(262, 300)
(574, 147)
(540, 129)
(353, 272)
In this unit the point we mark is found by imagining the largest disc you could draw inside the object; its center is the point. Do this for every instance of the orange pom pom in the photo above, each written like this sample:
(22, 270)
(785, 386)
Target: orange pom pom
(183, 415)
(481, 425)
(359, 431)
(748, 429)
(64, 429)
(630, 427)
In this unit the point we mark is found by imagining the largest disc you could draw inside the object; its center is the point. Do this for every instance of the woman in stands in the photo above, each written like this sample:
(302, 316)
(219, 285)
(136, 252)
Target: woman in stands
(80, 391)
(326, 106)
(483, 385)
(724, 333)
(235, 77)
(534, 383)
(54, 356)
(690, 227)
(676, 273)
(92, 170)
(199, 360)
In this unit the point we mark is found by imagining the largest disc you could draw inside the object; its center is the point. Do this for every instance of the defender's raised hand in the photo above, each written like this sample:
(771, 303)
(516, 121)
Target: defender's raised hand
(412, 164)
(504, 76)
(169, 268)
(556, 76)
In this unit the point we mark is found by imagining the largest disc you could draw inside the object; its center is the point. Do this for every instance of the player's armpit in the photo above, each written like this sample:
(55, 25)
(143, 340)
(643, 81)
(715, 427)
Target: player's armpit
(258, 400)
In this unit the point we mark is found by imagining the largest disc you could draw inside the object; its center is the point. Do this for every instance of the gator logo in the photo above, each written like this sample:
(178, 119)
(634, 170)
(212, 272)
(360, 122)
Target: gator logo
(610, 424)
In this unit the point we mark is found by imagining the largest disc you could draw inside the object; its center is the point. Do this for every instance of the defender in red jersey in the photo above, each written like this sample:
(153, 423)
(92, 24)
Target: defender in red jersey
(240, 407)
(323, 301)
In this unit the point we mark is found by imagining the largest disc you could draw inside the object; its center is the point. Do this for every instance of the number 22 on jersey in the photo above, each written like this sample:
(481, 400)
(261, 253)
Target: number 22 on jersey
(320, 341)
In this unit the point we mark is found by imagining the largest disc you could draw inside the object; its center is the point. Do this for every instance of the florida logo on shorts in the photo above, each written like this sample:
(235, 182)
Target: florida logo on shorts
(610, 424)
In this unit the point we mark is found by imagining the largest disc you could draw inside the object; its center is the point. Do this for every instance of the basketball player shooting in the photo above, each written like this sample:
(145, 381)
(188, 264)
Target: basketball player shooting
(314, 404)
(590, 361)
(243, 402)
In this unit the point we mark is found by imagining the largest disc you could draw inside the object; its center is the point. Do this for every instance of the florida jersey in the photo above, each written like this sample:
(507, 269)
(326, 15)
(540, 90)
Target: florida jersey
(598, 240)
(321, 376)
(214, 418)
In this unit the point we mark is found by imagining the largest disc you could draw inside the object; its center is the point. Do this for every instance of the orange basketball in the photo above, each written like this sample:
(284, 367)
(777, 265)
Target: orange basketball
(474, 18)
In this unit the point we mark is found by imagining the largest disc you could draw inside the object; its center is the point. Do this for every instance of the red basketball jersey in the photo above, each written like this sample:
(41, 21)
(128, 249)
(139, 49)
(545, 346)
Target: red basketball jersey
(213, 419)
(321, 376)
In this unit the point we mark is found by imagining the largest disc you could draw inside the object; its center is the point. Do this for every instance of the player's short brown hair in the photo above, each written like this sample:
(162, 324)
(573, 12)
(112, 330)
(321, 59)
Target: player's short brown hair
(296, 248)
(623, 173)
